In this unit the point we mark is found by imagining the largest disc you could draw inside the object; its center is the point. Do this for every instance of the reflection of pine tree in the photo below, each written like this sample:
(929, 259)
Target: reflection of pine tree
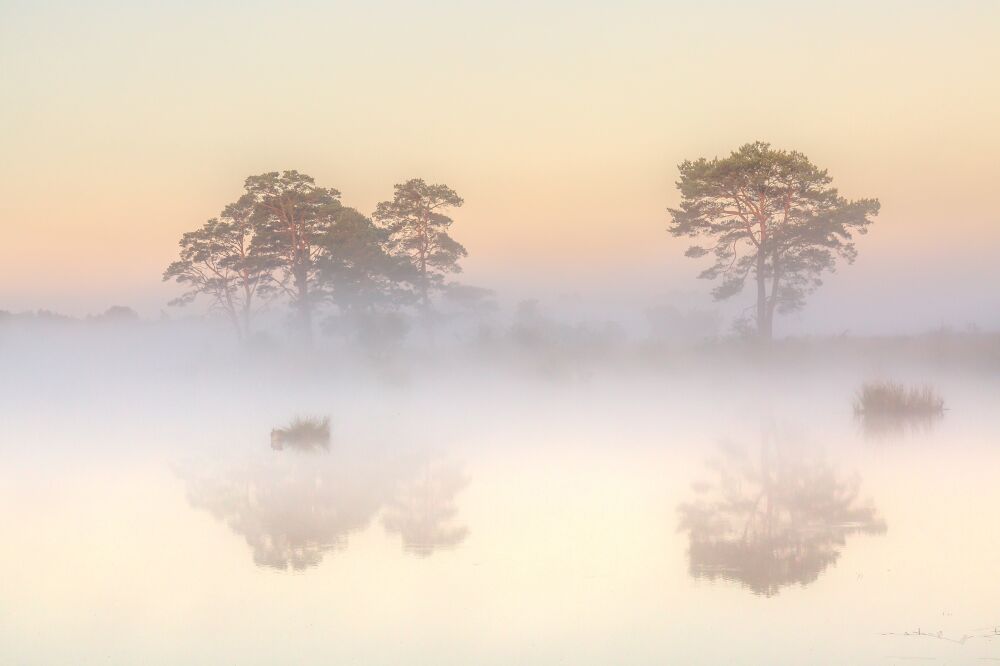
(775, 521)
(423, 511)
(294, 507)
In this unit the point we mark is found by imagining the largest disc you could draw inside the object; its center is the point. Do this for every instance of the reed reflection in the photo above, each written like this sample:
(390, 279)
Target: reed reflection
(889, 410)
(774, 517)
(294, 506)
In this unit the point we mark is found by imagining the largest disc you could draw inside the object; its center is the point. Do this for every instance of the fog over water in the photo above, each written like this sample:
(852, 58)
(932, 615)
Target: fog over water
(533, 496)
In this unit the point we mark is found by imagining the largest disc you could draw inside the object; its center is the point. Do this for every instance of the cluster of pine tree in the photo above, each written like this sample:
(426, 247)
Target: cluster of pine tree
(288, 238)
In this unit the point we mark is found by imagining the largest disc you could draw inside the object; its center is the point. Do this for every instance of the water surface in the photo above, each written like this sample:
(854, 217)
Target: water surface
(626, 520)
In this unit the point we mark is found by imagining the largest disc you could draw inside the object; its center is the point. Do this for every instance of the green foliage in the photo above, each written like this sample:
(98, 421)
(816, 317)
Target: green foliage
(354, 270)
(416, 230)
(219, 261)
(290, 217)
(470, 298)
(770, 214)
(287, 236)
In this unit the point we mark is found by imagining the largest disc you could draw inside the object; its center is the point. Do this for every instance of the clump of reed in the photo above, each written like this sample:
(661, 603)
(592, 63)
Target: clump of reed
(890, 408)
(302, 433)
(892, 399)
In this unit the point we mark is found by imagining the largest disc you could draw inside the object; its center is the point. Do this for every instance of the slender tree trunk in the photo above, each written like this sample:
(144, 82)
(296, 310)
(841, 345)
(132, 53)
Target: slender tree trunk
(771, 307)
(232, 314)
(763, 318)
(247, 306)
(425, 304)
(236, 325)
(246, 321)
(424, 291)
(302, 305)
(425, 299)
(425, 243)
(772, 301)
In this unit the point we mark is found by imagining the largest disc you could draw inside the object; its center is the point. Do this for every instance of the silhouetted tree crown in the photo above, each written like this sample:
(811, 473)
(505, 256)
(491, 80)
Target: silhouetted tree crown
(288, 236)
(291, 217)
(771, 215)
(218, 260)
(417, 230)
(355, 272)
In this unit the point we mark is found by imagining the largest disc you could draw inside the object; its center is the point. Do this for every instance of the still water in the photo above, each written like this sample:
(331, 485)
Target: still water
(628, 521)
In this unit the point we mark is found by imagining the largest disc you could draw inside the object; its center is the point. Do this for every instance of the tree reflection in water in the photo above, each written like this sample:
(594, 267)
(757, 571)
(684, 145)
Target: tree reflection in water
(423, 511)
(775, 519)
(294, 507)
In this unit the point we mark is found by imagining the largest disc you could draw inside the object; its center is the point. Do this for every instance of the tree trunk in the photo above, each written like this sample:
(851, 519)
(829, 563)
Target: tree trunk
(232, 314)
(303, 306)
(424, 291)
(236, 326)
(763, 312)
(425, 299)
(246, 322)
(771, 306)
(247, 306)
(425, 242)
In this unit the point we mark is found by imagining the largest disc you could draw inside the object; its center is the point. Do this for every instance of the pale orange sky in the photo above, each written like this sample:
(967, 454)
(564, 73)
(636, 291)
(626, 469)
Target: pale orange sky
(123, 125)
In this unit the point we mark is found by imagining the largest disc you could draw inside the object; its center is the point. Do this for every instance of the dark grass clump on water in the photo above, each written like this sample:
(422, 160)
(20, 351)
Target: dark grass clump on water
(892, 399)
(302, 433)
(886, 408)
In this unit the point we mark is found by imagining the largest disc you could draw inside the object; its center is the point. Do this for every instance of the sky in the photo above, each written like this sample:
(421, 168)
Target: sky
(124, 124)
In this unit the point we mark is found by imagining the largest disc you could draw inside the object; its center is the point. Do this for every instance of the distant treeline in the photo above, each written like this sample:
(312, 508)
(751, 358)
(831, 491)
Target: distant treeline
(114, 314)
(528, 339)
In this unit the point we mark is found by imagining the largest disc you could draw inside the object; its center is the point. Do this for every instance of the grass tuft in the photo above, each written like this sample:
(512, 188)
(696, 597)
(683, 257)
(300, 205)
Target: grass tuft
(880, 399)
(888, 409)
(302, 433)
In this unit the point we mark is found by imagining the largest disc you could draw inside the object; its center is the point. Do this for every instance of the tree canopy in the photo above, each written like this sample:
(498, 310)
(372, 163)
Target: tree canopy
(292, 216)
(355, 272)
(770, 215)
(288, 236)
(218, 260)
(417, 230)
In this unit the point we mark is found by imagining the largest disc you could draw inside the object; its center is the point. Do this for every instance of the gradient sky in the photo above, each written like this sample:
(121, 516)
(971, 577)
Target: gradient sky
(123, 124)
